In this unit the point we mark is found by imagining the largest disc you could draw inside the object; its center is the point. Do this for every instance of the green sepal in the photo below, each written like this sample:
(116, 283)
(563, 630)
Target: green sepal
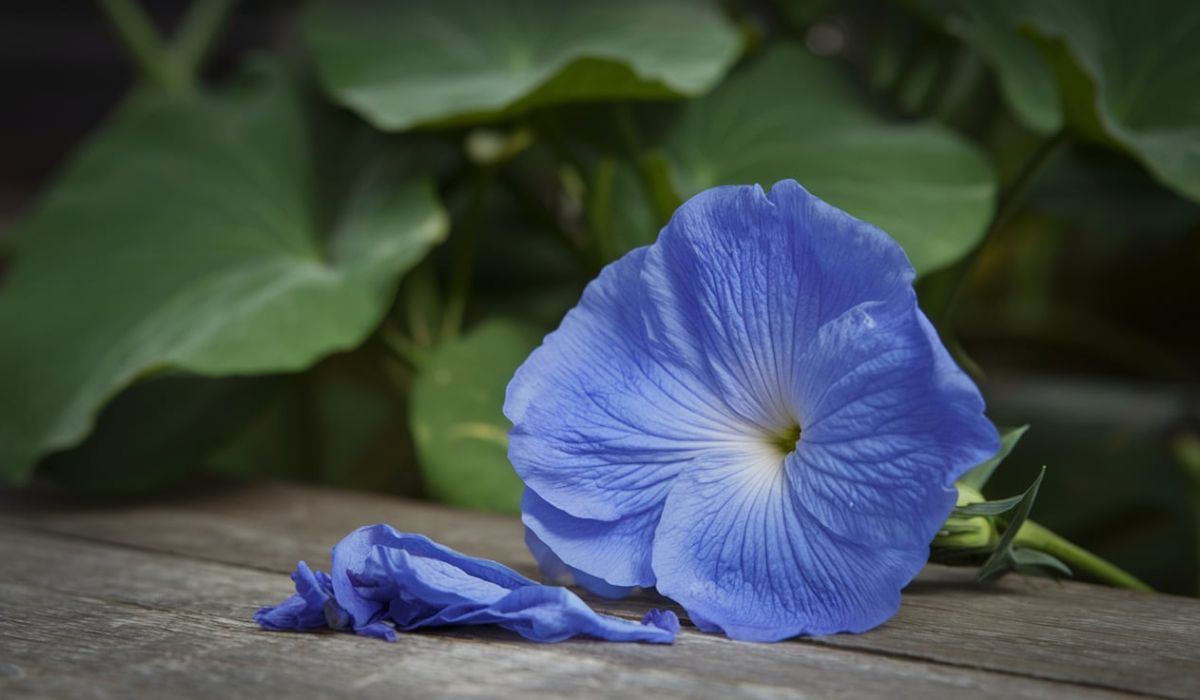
(1002, 558)
(978, 477)
(987, 508)
(1033, 561)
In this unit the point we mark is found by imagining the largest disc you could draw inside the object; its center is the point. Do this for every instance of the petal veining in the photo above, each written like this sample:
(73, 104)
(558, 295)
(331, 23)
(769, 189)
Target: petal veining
(600, 424)
(741, 280)
(661, 420)
(743, 557)
(618, 548)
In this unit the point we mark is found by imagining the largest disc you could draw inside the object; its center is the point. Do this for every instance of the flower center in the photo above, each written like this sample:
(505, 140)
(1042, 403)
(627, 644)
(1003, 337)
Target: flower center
(785, 440)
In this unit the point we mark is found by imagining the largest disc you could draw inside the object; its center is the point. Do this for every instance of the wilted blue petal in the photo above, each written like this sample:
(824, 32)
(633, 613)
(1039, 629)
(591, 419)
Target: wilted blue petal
(306, 609)
(552, 614)
(384, 580)
(664, 619)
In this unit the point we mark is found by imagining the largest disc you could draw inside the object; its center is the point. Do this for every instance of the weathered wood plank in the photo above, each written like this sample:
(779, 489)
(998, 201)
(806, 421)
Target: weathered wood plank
(1066, 632)
(80, 618)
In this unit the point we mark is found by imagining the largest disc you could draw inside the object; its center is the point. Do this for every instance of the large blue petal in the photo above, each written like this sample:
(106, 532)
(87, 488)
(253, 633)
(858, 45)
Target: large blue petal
(620, 549)
(799, 313)
(601, 425)
(889, 422)
(555, 571)
(740, 281)
(741, 555)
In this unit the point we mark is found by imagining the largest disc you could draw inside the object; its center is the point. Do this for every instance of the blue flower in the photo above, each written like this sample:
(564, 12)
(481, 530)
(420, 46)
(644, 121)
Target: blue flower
(385, 580)
(752, 415)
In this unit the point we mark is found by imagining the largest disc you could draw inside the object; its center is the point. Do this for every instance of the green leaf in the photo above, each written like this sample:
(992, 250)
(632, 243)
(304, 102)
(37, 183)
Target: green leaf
(979, 475)
(158, 431)
(1002, 558)
(792, 115)
(987, 508)
(1124, 72)
(404, 64)
(1033, 561)
(188, 235)
(460, 432)
(1142, 61)
(1026, 80)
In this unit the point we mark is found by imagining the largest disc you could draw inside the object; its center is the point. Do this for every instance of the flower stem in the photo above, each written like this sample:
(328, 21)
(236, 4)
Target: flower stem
(1035, 536)
(402, 346)
(1010, 201)
(142, 41)
(197, 32)
(628, 130)
(464, 258)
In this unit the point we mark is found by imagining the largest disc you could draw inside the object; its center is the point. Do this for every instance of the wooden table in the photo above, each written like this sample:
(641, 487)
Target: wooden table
(155, 600)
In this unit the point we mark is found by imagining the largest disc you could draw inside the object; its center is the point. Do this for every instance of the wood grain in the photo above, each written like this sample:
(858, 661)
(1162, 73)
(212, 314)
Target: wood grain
(156, 599)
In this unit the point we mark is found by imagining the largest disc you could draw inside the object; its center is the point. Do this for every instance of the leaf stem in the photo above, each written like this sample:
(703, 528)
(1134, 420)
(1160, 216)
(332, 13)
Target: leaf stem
(1037, 537)
(144, 45)
(196, 34)
(906, 70)
(402, 347)
(421, 302)
(1010, 201)
(627, 128)
(600, 213)
(964, 77)
(464, 257)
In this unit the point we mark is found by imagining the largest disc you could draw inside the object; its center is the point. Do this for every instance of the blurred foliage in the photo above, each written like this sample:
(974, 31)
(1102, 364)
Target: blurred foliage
(461, 437)
(791, 114)
(327, 267)
(403, 64)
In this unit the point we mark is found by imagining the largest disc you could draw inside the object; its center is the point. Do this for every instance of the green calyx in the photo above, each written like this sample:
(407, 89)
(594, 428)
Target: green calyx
(967, 534)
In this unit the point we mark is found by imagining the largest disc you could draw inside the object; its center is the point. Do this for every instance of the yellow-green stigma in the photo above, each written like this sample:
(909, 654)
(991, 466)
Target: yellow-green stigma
(785, 441)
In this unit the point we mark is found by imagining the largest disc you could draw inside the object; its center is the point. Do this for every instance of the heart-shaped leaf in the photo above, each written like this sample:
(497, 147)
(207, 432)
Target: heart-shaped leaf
(790, 114)
(1118, 71)
(190, 234)
(401, 64)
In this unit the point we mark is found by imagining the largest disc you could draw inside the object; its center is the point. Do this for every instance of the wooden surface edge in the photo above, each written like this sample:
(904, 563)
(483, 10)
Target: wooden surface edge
(1072, 635)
